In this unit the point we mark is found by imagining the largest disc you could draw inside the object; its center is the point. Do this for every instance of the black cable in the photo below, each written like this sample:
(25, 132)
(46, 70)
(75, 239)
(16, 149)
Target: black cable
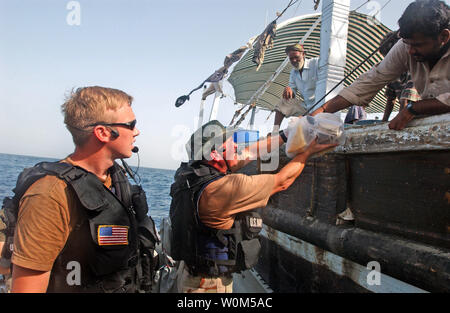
(137, 169)
(131, 172)
(291, 3)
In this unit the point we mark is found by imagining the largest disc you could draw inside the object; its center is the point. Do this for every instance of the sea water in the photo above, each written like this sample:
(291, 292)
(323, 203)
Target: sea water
(155, 182)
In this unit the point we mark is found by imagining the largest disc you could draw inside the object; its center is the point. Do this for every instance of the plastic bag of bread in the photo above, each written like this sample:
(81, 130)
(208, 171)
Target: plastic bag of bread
(300, 134)
(327, 127)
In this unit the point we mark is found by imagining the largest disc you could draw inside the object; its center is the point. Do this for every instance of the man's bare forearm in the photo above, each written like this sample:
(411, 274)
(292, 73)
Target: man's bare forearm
(257, 149)
(336, 104)
(430, 107)
(26, 280)
(263, 146)
(388, 109)
(422, 107)
(289, 173)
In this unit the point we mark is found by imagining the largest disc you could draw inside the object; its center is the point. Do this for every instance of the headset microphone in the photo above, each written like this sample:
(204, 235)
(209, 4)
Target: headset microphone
(129, 170)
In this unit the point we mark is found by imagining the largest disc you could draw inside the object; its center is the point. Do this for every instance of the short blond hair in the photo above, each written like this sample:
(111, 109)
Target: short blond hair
(89, 105)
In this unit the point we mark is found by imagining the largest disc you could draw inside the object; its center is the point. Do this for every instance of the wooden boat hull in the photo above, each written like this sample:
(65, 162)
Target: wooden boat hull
(396, 184)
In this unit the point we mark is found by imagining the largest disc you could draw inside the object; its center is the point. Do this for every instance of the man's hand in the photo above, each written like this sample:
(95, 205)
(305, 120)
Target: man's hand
(288, 93)
(422, 107)
(401, 120)
(315, 147)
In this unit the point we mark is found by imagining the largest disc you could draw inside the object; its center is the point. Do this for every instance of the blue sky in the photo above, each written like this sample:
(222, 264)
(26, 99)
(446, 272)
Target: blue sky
(154, 50)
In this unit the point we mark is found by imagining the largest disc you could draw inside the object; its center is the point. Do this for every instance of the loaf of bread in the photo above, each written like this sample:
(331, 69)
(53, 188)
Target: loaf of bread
(298, 142)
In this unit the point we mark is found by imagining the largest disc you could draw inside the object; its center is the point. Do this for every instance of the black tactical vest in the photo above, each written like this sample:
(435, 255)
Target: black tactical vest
(200, 246)
(102, 252)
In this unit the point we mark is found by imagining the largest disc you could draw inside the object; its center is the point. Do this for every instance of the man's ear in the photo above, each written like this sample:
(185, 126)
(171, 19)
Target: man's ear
(444, 36)
(215, 156)
(102, 133)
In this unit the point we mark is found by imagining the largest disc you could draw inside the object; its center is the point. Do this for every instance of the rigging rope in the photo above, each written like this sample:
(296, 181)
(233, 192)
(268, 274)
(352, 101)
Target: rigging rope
(361, 5)
(295, 12)
(243, 116)
(262, 89)
(236, 114)
(348, 75)
(359, 65)
(381, 8)
(291, 3)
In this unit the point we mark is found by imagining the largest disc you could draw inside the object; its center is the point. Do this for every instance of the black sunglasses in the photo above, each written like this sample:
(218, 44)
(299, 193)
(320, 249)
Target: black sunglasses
(130, 125)
(222, 149)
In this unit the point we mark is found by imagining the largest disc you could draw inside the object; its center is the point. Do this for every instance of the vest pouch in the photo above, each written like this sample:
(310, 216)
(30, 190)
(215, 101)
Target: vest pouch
(91, 193)
(247, 254)
(139, 202)
(147, 233)
(118, 282)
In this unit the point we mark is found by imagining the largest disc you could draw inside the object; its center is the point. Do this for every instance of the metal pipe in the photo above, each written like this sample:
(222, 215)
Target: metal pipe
(405, 260)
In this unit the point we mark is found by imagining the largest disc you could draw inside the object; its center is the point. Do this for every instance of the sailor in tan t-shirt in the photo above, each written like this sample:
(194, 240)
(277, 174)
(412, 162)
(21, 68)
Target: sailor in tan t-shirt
(59, 212)
(87, 229)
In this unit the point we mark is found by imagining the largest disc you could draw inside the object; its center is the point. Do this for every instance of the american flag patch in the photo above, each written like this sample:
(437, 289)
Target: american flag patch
(112, 235)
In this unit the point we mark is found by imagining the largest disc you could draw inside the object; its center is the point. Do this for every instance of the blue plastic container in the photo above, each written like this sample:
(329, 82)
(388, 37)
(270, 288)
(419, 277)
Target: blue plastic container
(246, 136)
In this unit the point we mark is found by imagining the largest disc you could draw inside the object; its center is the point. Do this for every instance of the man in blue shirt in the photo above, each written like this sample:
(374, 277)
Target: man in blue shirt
(303, 79)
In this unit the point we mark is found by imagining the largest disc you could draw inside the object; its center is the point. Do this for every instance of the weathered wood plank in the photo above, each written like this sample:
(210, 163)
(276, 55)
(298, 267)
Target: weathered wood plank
(324, 261)
(430, 133)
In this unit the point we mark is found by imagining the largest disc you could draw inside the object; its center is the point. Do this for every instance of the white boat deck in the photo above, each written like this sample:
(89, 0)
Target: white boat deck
(249, 282)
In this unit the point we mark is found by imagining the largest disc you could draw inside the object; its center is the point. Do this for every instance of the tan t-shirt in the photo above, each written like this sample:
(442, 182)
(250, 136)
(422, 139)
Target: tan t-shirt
(430, 84)
(232, 194)
(48, 212)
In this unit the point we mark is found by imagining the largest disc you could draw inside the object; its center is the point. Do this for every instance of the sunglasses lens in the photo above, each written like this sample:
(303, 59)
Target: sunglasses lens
(133, 124)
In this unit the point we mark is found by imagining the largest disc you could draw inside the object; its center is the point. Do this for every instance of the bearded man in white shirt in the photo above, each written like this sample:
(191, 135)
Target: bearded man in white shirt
(303, 79)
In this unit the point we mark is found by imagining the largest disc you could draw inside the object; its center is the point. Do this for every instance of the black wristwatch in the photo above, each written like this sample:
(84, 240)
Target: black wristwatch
(283, 136)
(409, 107)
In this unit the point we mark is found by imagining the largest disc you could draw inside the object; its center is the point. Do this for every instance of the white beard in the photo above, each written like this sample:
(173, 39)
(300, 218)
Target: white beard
(299, 65)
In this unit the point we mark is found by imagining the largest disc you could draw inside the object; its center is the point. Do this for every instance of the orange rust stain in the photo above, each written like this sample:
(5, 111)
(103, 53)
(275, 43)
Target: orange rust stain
(447, 196)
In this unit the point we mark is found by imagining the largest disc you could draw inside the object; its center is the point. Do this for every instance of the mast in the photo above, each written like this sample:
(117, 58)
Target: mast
(215, 106)
(333, 47)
